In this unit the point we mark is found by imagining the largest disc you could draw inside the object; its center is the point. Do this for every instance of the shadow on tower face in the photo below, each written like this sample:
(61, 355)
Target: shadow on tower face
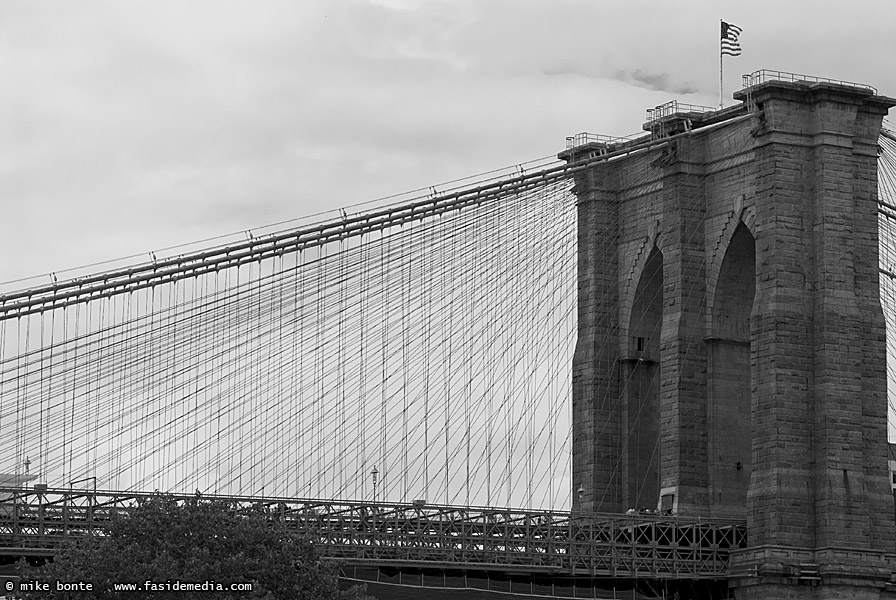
(729, 379)
(641, 447)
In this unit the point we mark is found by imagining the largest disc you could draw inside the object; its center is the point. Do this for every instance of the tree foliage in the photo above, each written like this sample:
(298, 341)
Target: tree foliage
(199, 541)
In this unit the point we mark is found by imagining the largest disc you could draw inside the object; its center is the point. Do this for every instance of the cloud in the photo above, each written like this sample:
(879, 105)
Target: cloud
(145, 117)
(655, 81)
(570, 69)
(660, 82)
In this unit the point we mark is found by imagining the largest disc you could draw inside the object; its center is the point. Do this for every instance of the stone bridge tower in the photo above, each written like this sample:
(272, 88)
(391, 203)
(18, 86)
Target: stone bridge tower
(731, 356)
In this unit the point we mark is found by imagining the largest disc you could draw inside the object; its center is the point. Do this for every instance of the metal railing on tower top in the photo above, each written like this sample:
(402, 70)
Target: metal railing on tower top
(673, 107)
(580, 139)
(763, 75)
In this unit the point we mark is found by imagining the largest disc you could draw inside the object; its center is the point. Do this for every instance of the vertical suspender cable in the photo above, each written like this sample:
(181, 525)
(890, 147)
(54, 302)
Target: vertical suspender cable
(404, 284)
(364, 292)
(384, 326)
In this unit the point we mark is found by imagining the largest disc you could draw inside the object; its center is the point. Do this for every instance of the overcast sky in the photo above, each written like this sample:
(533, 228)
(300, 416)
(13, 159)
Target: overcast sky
(132, 126)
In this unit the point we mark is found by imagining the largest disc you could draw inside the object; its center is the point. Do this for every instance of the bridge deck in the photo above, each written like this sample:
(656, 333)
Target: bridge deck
(427, 536)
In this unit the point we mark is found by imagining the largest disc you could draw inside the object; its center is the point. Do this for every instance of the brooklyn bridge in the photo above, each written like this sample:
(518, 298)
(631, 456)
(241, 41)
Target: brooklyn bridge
(656, 365)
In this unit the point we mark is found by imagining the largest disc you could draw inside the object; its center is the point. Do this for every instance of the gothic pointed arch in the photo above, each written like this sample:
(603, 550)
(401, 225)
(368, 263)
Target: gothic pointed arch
(645, 250)
(741, 215)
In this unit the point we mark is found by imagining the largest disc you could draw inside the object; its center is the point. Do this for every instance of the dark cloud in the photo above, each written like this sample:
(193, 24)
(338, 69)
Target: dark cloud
(568, 69)
(655, 81)
(660, 82)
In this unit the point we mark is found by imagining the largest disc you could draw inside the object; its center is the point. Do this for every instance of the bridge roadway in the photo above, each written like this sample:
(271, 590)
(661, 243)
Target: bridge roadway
(418, 536)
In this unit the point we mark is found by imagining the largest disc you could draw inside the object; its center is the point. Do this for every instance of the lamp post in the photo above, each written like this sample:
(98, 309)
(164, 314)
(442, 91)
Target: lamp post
(374, 474)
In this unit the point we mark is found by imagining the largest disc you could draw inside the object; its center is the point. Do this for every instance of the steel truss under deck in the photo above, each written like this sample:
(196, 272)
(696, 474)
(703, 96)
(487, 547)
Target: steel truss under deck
(421, 536)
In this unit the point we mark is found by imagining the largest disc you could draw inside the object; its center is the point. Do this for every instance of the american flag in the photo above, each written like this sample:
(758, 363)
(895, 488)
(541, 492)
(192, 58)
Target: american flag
(730, 45)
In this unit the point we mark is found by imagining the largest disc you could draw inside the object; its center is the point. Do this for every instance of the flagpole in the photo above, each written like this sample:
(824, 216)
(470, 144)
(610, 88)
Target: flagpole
(720, 70)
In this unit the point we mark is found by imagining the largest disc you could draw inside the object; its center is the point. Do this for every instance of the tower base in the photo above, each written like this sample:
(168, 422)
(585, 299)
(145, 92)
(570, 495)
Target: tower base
(786, 573)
